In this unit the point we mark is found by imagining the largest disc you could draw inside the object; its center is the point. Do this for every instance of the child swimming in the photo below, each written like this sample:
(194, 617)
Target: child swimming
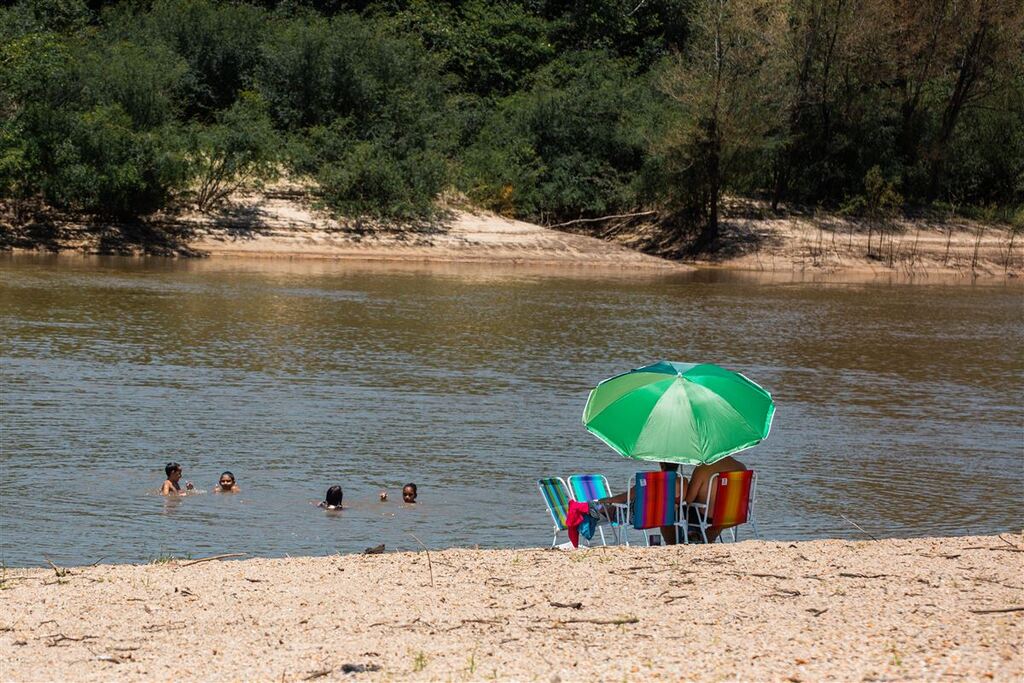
(409, 493)
(332, 501)
(226, 484)
(171, 486)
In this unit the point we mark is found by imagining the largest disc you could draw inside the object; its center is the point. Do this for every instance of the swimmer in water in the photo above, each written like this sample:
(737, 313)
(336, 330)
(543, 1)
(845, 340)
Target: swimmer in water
(409, 493)
(226, 484)
(171, 486)
(332, 501)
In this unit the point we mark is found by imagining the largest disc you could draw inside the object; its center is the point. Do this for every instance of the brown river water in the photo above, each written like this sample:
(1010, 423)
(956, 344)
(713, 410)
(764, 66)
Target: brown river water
(898, 406)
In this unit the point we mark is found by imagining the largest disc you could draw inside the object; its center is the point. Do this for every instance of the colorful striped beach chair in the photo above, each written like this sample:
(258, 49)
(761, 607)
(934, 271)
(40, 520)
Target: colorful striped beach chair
(651, 501)
(734, 494)
(585, 488)
(556, 498)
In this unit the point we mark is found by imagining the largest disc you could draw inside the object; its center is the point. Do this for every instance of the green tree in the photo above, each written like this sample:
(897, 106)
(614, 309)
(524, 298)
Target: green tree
(489, 48)
(572, 145)
(147, 82)
(34, 77)
(878, 204)
(723, 107)
(367, 111)
(97, 162)
(220, 42)
(239, 150)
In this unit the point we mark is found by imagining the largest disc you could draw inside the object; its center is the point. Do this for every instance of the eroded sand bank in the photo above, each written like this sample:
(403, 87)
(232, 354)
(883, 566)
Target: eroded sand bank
(928, 609)
(283, 224)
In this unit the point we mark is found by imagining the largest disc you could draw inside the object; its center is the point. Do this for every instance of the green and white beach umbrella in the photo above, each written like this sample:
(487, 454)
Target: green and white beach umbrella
(679, 412)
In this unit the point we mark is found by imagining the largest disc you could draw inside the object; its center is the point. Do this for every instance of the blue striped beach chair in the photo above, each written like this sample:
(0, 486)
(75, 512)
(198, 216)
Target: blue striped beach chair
(588, 487)
(556, 498)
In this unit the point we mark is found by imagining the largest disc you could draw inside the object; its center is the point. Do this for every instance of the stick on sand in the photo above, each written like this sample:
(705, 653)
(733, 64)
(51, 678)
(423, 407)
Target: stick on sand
(430, 567)
(213, 557)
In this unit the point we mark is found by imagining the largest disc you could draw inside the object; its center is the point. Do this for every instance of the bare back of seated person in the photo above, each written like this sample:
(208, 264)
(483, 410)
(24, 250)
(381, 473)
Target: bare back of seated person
(696, 490)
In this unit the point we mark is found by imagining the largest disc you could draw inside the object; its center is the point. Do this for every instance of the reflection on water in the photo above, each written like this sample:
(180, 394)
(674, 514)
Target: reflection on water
(899, 407)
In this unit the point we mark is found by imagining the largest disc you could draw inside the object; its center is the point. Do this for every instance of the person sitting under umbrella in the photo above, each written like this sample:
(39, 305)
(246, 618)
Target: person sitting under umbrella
(693, 491)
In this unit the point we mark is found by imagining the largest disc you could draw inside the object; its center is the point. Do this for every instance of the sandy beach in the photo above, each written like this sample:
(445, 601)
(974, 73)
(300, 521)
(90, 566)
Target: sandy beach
(921, 609)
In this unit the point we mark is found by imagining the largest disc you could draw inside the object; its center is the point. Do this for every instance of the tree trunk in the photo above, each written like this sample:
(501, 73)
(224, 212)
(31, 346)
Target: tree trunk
(970, 70)
(710, 232)
(788, 157)
(917, 82)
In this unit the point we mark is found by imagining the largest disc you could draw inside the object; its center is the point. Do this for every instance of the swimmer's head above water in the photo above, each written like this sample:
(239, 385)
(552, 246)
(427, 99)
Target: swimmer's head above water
(173, 472)
(409, 493)
(226, 482)
(332, 501)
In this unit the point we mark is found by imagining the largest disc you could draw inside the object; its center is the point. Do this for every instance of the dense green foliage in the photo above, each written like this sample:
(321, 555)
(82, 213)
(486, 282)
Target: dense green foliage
(542, 109)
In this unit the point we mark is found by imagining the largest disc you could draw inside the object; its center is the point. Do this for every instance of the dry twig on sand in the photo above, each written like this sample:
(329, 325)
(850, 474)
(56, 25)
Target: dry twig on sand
(430, 566)
(59, 571)
(761, 576)
(602, 218)
(604, 622)
(213, 557)
(1001, 610)
(851, 575)
(1010, 543)
(858, 526)
(57, 638)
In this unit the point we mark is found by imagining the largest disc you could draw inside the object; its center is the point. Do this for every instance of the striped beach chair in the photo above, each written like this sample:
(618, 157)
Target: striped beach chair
(585, 488)
(734, 494)
(556, 498)
(651, 502)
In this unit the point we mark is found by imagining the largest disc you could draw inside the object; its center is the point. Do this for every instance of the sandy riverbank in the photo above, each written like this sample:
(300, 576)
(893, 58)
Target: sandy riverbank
(930, 609)
(284, 225)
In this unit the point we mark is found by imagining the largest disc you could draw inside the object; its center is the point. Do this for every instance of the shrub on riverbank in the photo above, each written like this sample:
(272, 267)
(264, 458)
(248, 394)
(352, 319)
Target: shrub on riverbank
(548, 111)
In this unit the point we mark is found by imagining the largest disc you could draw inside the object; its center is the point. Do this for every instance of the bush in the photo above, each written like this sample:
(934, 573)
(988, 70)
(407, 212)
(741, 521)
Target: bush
(359, 177)
(368, 112)
(99, 163)
(572, 145)
(147, 82)
(490, 48)
(240, 149)
(220, 42)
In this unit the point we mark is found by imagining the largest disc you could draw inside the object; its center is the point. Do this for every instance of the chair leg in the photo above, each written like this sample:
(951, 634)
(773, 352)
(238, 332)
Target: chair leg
(733, 530)
(601, 531)
(753, 525)
(704, 533)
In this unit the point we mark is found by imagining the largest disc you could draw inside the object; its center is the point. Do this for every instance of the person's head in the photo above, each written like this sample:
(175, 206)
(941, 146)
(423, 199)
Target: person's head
(669, 466)
(333, 497)
(227, 481)
(173, 471)
(409, 493)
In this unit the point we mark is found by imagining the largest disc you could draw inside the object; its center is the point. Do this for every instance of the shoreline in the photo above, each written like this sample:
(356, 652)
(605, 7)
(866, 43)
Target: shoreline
(756, 610)
(283, 227)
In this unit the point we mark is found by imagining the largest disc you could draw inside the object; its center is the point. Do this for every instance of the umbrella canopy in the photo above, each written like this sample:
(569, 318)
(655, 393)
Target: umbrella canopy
(679, 412)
